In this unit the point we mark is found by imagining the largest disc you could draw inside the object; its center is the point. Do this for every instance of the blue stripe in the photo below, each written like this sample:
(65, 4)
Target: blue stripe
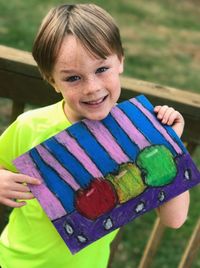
(144, 125)
(69, 162)
(144, 101)
(129, 148)
(56, 185)
(92, 148)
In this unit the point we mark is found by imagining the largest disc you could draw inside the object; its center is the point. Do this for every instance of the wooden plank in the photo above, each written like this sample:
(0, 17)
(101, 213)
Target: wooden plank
(21, 63)
(21, 81)
(192, 248)
(161, 92)
(152, 244)
(10, 58)
(26, 89)
(16, 55)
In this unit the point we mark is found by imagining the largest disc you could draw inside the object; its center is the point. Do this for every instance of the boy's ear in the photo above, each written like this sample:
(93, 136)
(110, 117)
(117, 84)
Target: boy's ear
(121, 67)
(52, 83)
(56, 89)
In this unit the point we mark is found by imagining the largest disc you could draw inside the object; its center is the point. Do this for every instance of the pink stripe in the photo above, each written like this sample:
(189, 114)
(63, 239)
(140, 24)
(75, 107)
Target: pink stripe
(79, 153)
(157, 125)
(125, 123)
(107, 141)
(48, 201)
(51, 161)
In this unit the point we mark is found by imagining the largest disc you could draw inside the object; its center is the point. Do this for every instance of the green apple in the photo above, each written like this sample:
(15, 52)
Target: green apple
(157, 165)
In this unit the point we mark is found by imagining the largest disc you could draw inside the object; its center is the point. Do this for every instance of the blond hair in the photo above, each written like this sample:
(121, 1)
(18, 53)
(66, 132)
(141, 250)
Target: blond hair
(90, 24)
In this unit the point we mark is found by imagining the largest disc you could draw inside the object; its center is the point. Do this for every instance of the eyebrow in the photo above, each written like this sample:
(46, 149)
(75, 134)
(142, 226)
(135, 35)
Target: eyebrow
(66, 71)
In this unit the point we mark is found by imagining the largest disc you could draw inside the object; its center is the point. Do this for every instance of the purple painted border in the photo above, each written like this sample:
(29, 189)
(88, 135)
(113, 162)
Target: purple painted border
(79, 227)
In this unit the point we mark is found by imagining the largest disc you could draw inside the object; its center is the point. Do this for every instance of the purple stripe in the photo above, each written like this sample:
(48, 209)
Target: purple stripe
(79, 153)
(63, 173)
(157, 125)
(48, 201)
(107, 141)
(134, 134)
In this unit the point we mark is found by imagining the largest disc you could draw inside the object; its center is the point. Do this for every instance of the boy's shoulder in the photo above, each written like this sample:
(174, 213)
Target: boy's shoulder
(42, 113)
(43, 121)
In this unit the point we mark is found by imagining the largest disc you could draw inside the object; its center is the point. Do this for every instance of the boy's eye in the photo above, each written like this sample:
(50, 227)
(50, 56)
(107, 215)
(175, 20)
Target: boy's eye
(101, 69)
(73, 78)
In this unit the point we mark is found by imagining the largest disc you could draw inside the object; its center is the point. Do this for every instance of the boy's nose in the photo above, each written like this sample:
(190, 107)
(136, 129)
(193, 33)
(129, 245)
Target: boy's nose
(92, 85)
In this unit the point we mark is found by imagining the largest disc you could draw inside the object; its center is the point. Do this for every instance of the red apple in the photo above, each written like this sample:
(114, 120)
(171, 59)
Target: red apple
(97, 199)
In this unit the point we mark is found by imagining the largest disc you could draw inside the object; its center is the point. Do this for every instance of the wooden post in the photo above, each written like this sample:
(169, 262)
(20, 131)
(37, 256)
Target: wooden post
(152, 244)
(17, 109)
(2, 216)
(114, 246)
(192, 248)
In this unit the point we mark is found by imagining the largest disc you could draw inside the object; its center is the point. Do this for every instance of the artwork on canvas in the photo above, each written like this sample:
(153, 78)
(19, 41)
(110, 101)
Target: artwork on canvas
(99, 175)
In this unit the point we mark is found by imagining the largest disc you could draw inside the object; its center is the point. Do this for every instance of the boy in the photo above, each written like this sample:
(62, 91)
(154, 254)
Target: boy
(78, 51)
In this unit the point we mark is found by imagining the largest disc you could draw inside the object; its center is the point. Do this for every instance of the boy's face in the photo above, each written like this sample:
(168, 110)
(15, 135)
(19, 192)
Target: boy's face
(90, 86)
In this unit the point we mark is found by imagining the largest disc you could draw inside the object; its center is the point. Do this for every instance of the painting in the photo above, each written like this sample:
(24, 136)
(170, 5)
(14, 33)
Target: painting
(99, 175)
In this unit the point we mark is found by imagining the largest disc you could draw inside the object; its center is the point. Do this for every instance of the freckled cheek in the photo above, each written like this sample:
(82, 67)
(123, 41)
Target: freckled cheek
(71, 98)
(112, 80)
(114, 84)
(116, 90)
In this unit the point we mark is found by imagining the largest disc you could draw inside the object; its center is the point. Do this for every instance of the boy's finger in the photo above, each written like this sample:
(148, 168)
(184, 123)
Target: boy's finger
(167, 115)
(28, 180)
(172, 117)
(20, 187)
(13, 204)
(20, 195)
(162, 111)
(31, 180)
(157, 108)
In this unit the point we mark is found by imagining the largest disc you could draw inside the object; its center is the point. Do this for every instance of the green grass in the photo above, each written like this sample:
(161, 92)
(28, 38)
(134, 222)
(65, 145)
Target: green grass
(162, 44)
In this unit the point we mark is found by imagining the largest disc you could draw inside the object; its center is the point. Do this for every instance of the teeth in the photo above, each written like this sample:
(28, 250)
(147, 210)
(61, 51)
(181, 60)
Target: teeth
(95, 102)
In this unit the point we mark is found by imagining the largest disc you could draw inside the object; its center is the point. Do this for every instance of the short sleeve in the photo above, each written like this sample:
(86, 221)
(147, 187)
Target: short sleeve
(8, 146)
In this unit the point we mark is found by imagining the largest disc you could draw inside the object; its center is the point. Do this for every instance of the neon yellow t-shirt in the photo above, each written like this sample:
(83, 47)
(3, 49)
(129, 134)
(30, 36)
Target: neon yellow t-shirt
(30, 240)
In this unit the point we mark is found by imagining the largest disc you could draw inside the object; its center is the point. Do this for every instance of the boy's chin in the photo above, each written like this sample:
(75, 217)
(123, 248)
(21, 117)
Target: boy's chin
(97, 117)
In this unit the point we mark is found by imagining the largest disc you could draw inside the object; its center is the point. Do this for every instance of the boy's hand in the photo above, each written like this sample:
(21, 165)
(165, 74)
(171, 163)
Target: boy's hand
(14, 186)
(167, 115)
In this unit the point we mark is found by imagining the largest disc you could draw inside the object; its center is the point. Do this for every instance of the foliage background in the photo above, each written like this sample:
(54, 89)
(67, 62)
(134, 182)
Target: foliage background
(162, 44)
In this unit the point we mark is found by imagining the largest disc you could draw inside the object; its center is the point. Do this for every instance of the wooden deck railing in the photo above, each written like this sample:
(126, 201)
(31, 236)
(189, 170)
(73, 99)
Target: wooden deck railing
(22, 83)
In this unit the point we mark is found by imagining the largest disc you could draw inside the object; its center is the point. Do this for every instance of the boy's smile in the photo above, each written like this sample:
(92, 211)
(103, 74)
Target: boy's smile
(95, 103)
(89, 85)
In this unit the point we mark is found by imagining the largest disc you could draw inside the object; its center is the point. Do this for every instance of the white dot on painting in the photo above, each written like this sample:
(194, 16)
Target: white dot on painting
(69, 229)
(187, 174)
(82, 238)
(108, 224)
(139, 207)
(161, 196)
